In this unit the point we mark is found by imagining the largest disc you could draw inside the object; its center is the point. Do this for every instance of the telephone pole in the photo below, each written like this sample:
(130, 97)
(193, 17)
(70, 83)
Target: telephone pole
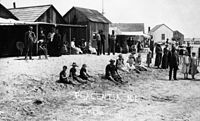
(103, 7)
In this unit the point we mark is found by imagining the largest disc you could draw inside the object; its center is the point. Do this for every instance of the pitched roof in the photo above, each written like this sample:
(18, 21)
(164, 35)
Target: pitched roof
(8, 12)
(129, 27)
(158, 26)
(30, 14)
(92, 15)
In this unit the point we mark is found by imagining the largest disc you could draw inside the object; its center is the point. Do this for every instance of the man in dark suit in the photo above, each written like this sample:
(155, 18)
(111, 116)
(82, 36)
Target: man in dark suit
(30, 39)
(173, 61)
(103, 38)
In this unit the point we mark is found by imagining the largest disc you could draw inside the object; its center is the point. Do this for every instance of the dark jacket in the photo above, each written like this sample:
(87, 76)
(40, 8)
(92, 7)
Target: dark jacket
(173, 59)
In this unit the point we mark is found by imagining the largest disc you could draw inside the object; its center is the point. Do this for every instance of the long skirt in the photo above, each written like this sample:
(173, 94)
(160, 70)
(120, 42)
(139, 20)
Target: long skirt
(165, 61)
(158, 59)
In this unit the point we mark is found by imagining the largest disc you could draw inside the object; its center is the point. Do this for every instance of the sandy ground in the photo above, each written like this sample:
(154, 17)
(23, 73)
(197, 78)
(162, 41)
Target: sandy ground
(29, 92)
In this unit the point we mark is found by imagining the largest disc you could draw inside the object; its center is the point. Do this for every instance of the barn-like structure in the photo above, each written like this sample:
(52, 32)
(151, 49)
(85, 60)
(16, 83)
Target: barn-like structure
(94, 20)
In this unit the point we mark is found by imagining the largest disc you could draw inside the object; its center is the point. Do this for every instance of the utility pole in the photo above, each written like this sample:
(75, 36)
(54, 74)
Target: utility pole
(103, 7)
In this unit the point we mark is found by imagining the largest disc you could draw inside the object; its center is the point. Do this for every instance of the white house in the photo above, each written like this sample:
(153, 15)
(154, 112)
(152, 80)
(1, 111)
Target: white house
(161, 33)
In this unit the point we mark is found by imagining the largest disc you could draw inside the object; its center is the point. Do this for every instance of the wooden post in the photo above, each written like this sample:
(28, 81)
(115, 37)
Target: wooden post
(70, 39)
(37, 33)
(86, 38)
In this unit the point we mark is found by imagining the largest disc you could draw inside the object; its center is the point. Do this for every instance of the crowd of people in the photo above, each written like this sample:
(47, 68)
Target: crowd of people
(169, 57)
(172, 57)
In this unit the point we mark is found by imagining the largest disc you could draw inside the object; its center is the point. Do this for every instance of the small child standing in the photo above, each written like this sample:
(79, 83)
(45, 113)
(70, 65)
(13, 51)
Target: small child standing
(148, 60)
(193, 65)
(186, 64)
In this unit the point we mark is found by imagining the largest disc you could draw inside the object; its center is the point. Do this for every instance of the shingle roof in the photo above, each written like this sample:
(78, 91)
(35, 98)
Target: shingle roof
(92, 15)
(129, 27)
(30, 14)
(158, 26)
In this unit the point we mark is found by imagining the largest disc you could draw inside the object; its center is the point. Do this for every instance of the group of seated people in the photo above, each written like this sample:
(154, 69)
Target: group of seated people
(111, 71)
(83, 48)
(83, 78)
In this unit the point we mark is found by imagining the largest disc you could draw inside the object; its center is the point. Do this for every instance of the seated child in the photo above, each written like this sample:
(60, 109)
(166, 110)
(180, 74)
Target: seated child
(120, 63)
(83, 73)
(131, 62)
(138, 63)
(63, 78)
(73, 74)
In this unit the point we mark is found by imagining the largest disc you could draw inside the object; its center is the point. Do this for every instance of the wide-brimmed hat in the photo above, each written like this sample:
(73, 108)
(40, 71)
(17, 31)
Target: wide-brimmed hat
(112, 60)
(74, 64)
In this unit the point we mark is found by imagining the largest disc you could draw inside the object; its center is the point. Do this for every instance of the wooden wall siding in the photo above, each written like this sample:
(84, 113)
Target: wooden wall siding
(95, 27)
(81, 19)
(50, 16)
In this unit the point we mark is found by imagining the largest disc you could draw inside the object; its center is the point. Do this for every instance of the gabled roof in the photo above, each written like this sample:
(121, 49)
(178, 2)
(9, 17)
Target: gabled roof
(8, 12)
(129, 27)
(90, 14)
(178, 32)
(158, 26)
(30, 14)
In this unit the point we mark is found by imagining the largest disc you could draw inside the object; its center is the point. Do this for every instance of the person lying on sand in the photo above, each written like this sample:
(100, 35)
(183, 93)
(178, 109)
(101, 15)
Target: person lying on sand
(63, 77)
(83, 73)
(112, 74)
(73, 74)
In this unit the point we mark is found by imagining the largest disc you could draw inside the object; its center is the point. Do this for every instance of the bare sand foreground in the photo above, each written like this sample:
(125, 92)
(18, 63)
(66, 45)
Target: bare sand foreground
(29, 92)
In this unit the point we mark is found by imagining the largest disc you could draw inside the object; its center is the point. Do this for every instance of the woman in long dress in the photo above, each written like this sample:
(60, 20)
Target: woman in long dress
(165, 58)
(193, 65)
(158, 56)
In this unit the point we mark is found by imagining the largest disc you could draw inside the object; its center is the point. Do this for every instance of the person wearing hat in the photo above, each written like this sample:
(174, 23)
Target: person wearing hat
(30, 39)
(83, 73)
(73, 75)
(112, 74)
(63, 77)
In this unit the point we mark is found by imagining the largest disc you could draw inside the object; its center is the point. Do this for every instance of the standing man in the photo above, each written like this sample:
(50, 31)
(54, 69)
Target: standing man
(98, 39)
(29, 41)
(112, 40)
(103, 38)
(173, 63)
(152, 46)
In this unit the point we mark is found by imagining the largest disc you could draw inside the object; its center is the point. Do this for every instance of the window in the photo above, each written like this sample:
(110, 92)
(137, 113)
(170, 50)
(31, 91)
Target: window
(163, 37)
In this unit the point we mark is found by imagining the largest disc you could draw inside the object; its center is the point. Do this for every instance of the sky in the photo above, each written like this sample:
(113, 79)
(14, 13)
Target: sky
(181, 15)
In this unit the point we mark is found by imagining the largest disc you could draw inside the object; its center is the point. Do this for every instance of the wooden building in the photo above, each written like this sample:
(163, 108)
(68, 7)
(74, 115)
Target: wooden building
(43, 13)
(161, 33)
(47, 17)
(94, 20)
(178, 36)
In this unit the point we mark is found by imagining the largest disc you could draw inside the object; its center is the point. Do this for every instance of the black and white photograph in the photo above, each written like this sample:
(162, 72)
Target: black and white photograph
(99, 60)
